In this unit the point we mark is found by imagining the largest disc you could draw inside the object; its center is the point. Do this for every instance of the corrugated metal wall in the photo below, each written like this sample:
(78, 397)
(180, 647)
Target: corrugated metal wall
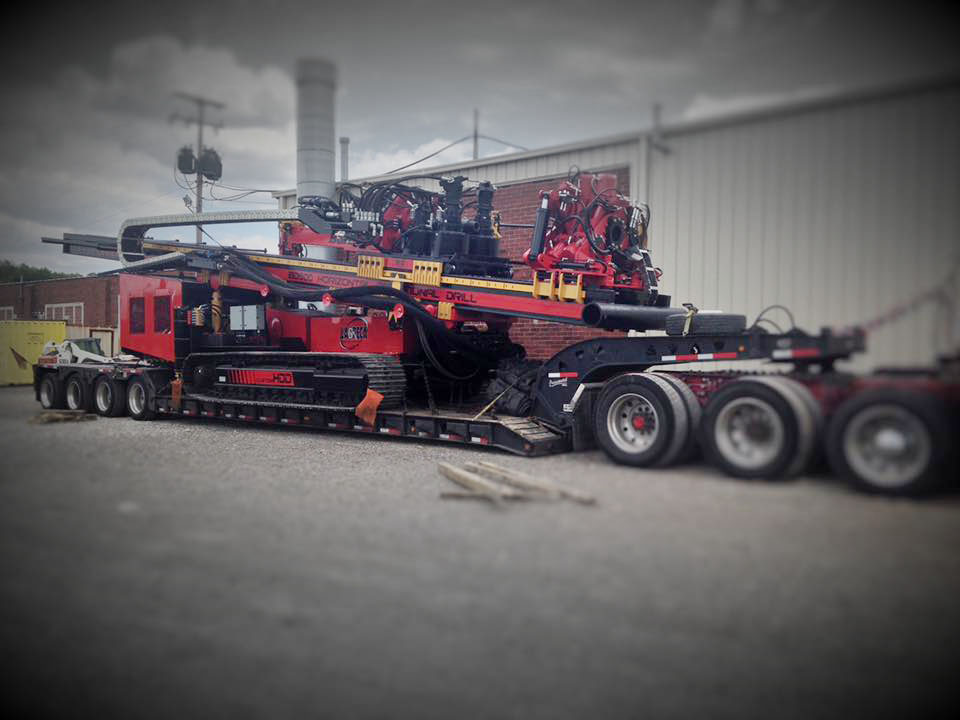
(838, 212)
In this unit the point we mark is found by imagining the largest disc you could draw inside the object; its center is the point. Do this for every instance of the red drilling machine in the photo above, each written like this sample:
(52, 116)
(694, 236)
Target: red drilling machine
(405, 332)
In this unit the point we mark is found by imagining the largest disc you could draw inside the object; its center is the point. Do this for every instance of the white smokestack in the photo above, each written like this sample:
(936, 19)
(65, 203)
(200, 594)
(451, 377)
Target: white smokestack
(316, 85)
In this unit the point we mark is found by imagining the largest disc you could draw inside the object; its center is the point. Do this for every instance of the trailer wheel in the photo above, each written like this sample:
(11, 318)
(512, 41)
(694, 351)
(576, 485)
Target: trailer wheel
(640, 420)
(51, 393)
(810, 453)
(891, 442)
(758, 428)
(694, 414)
(138, 400)
(77, 393)
(109, 398)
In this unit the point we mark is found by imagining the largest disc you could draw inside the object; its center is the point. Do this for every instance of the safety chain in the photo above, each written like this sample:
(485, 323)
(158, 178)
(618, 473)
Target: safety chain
(939, 292)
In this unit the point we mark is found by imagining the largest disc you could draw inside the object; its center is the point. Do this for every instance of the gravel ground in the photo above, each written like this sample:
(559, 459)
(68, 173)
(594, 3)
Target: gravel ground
(196, 569)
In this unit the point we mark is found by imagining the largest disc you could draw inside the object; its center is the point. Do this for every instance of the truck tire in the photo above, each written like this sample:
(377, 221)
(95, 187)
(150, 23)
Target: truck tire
(78, 393)
(707, 323)
(109, 397)
(758, 428)
(138, 400)
(690, 448)
(640, 420)
(809, 458)
(892, 442)
(51, 393)
(817, 460)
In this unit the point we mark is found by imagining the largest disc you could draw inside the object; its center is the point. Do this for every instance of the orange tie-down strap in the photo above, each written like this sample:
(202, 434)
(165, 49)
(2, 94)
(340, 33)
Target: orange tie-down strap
(367, 409)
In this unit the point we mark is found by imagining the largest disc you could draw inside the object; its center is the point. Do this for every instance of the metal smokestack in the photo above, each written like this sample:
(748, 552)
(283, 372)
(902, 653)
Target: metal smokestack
(344, 159)
(316, 85)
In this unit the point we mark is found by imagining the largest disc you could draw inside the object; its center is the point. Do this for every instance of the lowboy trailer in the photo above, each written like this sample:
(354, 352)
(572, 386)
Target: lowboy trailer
(422, 348)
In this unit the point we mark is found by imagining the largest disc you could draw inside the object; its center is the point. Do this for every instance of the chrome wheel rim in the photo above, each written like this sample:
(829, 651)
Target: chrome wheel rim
(137, 398)
(749, 433)
(103, 397)
(73, 395)
(887, 445)
(633, 423)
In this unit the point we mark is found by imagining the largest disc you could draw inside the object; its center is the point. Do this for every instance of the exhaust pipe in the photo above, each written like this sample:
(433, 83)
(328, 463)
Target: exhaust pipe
(611, 316)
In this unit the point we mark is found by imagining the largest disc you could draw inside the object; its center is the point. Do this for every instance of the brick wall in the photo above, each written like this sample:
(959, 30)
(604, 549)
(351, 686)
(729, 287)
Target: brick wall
(98, 295)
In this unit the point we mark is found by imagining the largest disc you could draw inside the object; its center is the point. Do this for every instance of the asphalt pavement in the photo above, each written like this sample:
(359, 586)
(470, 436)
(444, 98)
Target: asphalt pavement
(197, 569)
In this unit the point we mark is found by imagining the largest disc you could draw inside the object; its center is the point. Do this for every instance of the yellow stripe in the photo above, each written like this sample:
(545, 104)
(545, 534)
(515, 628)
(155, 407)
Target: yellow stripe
(386, 275)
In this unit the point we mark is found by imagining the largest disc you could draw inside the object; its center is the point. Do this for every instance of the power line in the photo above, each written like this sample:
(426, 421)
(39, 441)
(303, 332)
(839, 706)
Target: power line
(472, 136)
(503, 142)
(116, 213)
(433, 154)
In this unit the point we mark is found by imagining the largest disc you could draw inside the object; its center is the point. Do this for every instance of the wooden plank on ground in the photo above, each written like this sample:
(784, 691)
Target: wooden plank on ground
(523, 481)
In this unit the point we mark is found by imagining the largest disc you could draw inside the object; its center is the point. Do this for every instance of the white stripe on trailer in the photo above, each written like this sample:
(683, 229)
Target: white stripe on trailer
(696, 357)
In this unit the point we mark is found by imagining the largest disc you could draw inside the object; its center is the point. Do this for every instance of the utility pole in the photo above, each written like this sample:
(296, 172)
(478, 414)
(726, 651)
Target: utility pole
(201, 104)
(476, 133)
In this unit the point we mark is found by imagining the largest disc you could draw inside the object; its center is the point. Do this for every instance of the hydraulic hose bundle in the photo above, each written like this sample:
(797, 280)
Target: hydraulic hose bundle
(377, 297)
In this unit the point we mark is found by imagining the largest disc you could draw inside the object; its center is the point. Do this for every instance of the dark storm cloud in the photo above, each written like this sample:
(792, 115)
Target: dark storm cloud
(86, 139)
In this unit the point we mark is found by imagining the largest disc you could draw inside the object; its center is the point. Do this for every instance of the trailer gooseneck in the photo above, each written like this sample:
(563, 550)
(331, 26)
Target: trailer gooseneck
(418, 346)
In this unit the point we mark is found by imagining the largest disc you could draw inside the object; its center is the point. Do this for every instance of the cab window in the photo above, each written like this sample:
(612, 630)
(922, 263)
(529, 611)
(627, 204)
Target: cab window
(137, 319)
(161, 314)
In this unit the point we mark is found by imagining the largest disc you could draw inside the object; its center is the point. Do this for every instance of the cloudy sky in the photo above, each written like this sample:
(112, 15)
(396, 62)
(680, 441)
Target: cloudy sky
(88, 87)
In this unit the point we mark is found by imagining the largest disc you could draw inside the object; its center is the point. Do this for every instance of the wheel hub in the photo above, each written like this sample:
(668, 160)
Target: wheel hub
(890, 442)
(749, 433)
(633, 423)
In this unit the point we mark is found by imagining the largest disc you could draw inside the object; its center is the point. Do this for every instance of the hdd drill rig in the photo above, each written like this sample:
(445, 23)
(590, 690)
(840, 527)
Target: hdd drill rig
(415, 343)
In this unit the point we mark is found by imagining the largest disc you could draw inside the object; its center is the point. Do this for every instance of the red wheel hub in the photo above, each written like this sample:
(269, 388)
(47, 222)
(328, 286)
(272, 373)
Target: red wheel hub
(638, 422)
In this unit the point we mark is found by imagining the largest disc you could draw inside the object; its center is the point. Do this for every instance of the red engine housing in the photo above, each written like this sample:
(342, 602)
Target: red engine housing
(596, 231)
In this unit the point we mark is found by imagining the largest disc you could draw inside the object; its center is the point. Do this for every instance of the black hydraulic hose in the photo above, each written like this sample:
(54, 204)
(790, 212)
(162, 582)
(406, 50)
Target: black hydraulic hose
(428, 351)
(370, 295)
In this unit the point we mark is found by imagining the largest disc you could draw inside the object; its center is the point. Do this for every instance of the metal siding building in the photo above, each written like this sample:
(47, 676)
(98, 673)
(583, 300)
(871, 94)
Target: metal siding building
(839, 208)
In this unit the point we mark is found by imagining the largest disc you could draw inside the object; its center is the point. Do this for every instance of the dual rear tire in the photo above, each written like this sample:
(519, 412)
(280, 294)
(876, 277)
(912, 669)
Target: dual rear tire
(888, 441)
(761, 427)
(647, 419)
(138, 400)
(78, 393)
(52, 396)
(109, 397)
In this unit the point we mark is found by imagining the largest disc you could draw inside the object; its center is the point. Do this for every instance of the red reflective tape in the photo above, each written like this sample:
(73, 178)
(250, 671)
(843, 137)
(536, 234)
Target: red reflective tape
(725, 356)
(806, 352)
(686, 358)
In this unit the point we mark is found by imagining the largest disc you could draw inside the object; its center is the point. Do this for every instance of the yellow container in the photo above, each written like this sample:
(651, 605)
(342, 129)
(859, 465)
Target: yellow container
(21, 343)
